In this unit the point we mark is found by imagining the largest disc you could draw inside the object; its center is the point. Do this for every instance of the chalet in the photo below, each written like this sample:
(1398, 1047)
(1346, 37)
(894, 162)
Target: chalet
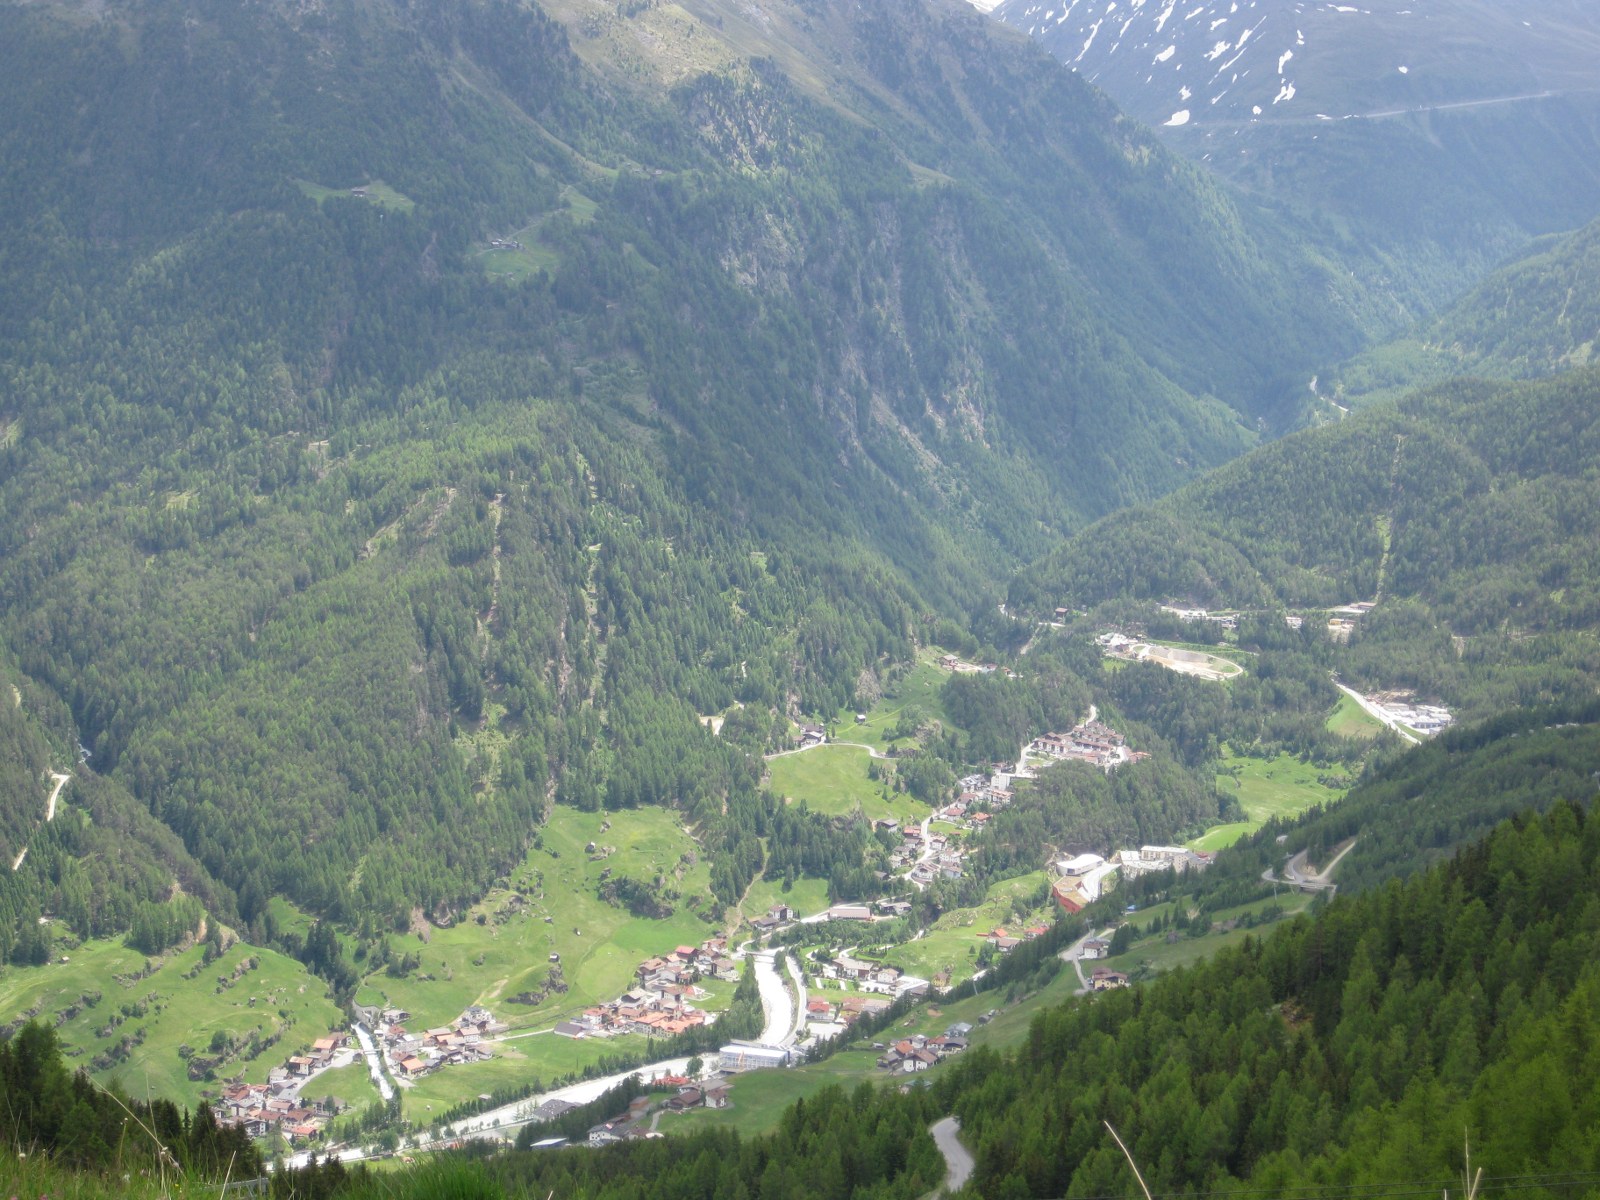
(894, 908)
(1095, 948)
(571, 1029)
(1051, 745)
(1033, 931)
(1104, 979)
(301, 1065)
(717, 1097)
(812, 735)
(852, 1007)
(781, 912)
(413, 1066)
(603, 1135)
(689, 1097)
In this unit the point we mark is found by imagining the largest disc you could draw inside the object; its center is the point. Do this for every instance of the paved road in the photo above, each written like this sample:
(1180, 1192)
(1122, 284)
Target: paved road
(1295, 872)
(957, 1158)
(872, 751)
(1074, 955)
(498, 1121)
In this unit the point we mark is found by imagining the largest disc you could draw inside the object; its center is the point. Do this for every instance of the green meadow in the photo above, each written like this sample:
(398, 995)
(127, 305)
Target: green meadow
(952, 942)
(832, 779)
(918, 687)
(1266, 788)
(163, 1011)
(374, 192)
(1350, 720)
(502, 947)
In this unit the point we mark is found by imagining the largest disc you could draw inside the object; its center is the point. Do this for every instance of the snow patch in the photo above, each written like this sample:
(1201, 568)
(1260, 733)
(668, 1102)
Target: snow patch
(1284, 58)
(1184, 94)
(1286, 92)
(1181, 117)
(1166, 54)
(1405, 70)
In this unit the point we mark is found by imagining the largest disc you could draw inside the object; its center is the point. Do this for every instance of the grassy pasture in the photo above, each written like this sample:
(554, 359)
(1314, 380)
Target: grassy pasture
(1265, 788)
(599, 944)
(375, 191)
(278, 997)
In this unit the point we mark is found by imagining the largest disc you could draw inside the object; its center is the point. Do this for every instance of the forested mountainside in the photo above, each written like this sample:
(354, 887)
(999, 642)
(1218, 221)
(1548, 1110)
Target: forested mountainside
(1472, 498)
(1535, 317)
(1437, 139)
(408, 422)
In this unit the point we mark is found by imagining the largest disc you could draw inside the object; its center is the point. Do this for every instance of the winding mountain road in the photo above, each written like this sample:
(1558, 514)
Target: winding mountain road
(958, 1160)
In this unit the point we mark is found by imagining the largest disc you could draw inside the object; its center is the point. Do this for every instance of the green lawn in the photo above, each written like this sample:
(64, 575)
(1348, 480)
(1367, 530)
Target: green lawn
(832, 779)
(517, 264)
(600, 944)
(760, 1098)
(350, 1085)
(1350, 720)
(919, 686)
(375, 192)
(1266, 788)
(952, 943)
(807, 896)
(543, 1057)
(1154, 954)
(278, 997)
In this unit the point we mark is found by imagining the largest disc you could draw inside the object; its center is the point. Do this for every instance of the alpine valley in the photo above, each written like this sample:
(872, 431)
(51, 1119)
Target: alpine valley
(649, 572)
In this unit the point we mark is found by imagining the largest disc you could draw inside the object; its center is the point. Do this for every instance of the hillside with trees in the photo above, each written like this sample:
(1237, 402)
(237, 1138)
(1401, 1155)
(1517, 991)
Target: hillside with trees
(1535, 317)
(453, 422)
(1468, 497)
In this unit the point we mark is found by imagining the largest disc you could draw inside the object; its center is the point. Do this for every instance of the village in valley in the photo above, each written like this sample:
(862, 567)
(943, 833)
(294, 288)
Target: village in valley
(836, 978)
